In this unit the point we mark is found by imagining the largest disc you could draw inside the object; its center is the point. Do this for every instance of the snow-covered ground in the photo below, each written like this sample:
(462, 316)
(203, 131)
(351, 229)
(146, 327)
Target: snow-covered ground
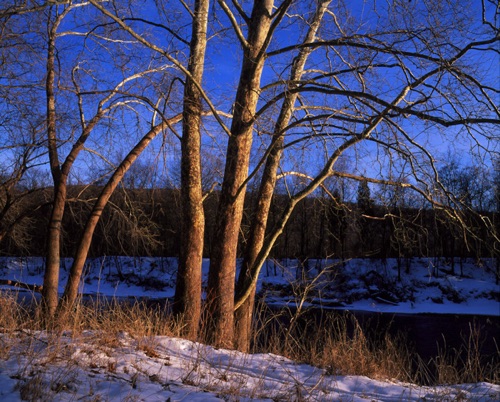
(168, 369)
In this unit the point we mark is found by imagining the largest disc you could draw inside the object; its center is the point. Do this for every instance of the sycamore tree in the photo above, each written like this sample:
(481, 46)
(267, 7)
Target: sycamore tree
(387, 84)
(86, 88)
(284, 91)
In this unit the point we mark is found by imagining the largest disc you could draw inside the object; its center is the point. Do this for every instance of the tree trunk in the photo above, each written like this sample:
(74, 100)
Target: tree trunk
(60, 173)
(51, 276)
(187, 303)
(243, 314)
(53, 260)
(220, 291)
(75, 275)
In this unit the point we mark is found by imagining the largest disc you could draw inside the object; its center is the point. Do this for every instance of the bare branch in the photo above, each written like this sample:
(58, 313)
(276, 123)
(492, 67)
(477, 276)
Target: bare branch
(234, 23)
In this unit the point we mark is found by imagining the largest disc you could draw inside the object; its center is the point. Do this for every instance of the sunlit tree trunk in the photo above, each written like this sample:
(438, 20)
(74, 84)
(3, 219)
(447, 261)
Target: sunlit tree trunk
(243, 314)
(60, 172)
(76, 270)
(51, 277)
(220, 291)
(188, 287)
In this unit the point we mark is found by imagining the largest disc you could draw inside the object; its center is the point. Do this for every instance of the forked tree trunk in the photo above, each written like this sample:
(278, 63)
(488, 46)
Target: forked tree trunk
(187, 304)
(60, 173)
(246, 284)
(246, 292)
(220, 291)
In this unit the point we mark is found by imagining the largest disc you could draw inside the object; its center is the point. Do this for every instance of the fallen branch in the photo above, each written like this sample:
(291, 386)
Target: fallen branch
(9, 282)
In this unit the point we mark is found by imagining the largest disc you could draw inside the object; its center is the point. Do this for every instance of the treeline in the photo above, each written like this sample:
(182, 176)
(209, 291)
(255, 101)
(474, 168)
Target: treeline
(147, 222)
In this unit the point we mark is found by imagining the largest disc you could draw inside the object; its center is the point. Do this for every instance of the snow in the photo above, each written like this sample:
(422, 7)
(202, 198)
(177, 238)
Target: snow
(171, 369)
(84, 367)
(351, 286)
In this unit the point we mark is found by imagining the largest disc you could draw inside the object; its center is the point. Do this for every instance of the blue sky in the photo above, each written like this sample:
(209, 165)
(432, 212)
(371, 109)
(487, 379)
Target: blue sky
(221, 76)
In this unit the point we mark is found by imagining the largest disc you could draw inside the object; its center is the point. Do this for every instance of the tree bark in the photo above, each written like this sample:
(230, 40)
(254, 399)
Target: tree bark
(187, 304)
(221, 280)
(51, 276)
(243, 314)
(75, 275)
(60, 173)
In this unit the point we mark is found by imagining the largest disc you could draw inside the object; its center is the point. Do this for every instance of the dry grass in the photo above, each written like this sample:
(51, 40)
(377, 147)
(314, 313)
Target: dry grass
(46, 353)
(108, 318)
(14, 315)
(340, 345)
(134, 317)
(337, 344)
(354, 354)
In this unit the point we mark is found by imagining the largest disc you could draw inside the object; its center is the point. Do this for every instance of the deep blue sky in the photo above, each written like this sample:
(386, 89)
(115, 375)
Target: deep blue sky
(98, 70)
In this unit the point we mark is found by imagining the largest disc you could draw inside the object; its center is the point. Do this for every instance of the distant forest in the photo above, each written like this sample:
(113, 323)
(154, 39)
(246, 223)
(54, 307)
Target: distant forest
(146, 222)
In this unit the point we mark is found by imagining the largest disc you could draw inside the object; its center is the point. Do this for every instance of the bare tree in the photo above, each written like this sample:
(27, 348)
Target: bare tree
(21, 129)
(74, 91)
(380, 87)
(495, 250)
(267, 187)
(220, 292)
(320, 82)
(368, 118)
(20, 194)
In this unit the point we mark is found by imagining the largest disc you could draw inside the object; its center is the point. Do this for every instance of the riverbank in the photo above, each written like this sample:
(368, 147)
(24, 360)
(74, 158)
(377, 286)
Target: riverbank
(425, 285)
(134, 355)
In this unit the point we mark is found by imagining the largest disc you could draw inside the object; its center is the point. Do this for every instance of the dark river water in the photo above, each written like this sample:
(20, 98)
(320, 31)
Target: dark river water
(461, 339)
(429, 333)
